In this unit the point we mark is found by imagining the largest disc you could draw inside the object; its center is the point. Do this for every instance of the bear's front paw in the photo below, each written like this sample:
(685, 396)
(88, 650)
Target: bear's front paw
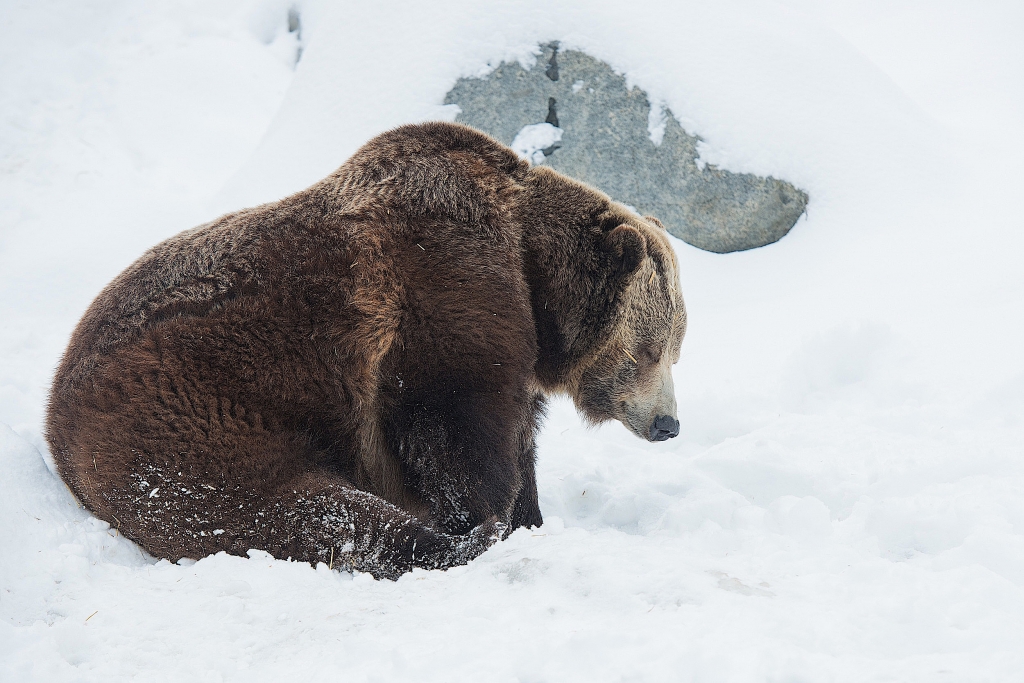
(433, 549)
(482, 537)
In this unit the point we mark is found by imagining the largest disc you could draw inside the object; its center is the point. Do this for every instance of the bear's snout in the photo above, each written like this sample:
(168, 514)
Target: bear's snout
(664, 427)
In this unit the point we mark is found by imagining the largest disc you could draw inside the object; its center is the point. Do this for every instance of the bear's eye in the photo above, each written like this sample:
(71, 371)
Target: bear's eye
(650, 353)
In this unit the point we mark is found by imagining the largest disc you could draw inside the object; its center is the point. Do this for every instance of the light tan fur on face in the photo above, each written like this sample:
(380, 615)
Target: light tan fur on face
(657, 281)
(647, 342)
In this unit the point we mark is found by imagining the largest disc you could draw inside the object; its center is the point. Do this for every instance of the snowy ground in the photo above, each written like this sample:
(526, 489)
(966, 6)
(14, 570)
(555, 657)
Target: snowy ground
(846, 499)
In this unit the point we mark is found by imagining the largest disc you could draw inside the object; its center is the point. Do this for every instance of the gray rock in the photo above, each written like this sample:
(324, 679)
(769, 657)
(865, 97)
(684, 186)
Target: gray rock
(605, 142)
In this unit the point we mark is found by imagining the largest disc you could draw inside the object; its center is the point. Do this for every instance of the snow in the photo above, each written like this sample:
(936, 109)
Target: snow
(845, 501)
(531, 141)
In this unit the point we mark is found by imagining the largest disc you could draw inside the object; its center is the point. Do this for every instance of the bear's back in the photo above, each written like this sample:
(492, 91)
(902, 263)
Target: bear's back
(445, 174)
(188, 274)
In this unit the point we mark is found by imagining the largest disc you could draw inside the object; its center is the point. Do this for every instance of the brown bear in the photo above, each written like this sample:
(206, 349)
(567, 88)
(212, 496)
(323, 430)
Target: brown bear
(356, 374)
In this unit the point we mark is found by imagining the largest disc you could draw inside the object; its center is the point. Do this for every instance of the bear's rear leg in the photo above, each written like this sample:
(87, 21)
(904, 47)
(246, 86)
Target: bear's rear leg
(315, 517)
(197, 484)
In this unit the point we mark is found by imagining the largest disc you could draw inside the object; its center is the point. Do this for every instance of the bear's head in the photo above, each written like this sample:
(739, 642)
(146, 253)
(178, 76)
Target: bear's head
(628, 375)
(607, 304)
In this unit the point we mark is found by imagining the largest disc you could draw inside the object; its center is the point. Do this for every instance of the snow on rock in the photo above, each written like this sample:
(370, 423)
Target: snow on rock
(531, 141)
(845, 501)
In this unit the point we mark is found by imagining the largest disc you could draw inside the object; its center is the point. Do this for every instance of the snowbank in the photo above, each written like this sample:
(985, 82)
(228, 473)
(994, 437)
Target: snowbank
(846, 499)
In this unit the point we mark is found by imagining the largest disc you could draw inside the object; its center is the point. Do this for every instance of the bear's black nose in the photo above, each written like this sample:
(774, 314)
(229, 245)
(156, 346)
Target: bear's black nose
(664, 427)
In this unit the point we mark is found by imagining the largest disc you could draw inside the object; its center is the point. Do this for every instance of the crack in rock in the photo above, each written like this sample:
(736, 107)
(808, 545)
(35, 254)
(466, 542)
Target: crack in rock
(552, 70)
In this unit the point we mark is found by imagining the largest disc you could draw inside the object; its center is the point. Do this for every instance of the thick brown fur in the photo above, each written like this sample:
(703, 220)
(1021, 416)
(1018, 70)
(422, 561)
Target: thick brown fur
(355, 374)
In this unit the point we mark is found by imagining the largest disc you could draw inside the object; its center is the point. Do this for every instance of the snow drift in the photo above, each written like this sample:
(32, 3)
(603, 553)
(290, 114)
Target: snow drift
(846, 499)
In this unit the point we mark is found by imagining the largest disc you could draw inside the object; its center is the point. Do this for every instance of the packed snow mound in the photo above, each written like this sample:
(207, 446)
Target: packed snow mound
(845, 500)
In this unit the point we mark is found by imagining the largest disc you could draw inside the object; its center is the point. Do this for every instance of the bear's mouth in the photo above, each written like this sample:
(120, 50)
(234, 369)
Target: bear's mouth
(633, 422)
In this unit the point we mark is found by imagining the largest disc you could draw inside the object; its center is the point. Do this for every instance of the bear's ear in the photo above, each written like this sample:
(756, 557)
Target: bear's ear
(652, 219)
(627, 249)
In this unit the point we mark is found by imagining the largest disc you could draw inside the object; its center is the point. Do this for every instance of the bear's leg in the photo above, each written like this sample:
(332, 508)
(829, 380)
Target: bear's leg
(471, 458)
(313, 517)
(197, 484)
(526, 510)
